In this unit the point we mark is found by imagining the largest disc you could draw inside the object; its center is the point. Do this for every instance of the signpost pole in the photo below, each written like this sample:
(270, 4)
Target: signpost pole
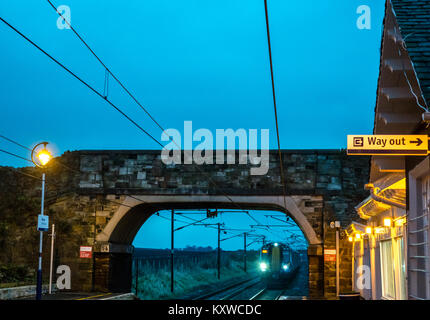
(219, 251)
(337, 261)
(52, 258)
(172, 248)
(39, 270)
(136, 263)
(244, 251)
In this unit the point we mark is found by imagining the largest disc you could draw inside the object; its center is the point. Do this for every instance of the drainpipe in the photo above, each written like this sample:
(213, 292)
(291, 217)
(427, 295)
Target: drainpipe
(374, 193)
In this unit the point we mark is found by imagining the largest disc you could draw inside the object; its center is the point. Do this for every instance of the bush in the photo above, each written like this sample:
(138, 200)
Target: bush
(14, 273)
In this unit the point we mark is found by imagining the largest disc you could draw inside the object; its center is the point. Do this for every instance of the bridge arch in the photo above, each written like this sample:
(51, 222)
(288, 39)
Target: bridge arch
(135, 210)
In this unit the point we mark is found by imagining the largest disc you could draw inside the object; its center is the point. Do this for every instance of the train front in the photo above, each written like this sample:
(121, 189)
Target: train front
(275, 261)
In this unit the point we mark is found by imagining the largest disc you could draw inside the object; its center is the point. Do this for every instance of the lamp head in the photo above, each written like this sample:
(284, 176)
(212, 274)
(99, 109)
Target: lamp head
(43, 156)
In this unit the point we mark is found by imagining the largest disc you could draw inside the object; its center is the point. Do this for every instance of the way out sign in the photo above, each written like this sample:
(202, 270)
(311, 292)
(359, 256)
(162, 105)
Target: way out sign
(388, 145)
(86, 252)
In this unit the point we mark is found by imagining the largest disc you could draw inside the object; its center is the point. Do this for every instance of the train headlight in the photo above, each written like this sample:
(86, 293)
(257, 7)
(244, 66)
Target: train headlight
(263, 266)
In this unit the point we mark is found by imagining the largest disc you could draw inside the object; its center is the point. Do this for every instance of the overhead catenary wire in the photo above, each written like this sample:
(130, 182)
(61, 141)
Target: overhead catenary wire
(15, 155)
(99, 94)
(128, 91)
(14, 142)
(82, 81)
(108, 70)
(281, 168)
(110, 103)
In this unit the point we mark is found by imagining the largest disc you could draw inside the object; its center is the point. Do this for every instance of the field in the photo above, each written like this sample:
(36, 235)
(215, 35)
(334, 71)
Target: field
(191, 271)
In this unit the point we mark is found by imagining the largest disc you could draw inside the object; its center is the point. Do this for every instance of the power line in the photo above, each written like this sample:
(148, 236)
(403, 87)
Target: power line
(105, 66)
(23, 173)
(274, 104)
(26, 148)
(14, 142)
(107, 100)
(82, 81)
(15, 155)
(128, 92)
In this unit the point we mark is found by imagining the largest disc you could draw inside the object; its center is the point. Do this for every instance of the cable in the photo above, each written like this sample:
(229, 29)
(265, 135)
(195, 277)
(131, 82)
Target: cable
(101, 96)
(107, 69)
(26, 148)
(15, 155)
(107, 100)
(403, 44)
(126, 90)
(23, 173)
(82, 81)
(274, 104)
(14, 142)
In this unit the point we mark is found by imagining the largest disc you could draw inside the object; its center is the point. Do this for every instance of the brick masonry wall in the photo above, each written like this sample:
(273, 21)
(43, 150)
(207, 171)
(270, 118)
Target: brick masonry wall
(328, 183)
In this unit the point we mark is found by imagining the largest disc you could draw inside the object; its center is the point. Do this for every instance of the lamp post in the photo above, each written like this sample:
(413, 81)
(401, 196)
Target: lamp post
(41, 159)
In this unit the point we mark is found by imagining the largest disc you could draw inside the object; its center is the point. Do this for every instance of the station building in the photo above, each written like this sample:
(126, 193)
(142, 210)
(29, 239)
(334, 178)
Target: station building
(390, 237)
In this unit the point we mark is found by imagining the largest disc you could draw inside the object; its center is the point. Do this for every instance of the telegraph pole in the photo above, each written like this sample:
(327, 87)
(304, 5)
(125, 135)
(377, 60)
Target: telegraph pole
(219, 250)
(39, 269)
(52, 258)
(171, 252)
(244, 251)
(337, 226)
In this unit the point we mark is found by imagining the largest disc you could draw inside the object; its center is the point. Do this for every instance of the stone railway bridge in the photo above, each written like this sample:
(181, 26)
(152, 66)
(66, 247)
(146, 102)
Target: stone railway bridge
(117, 191)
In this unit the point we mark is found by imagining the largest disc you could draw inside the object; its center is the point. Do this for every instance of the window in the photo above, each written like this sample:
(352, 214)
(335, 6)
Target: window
(401, 283)
(387, 270)
(393, 271)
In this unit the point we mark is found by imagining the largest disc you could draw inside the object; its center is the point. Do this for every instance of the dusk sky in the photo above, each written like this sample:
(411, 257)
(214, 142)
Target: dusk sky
(190, 60)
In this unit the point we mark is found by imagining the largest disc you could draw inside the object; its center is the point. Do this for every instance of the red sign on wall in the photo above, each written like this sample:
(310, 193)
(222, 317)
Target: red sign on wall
(330, 255)
(86, 252)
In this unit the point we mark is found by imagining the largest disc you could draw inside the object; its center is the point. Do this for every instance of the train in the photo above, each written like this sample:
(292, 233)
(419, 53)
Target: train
(278, 263)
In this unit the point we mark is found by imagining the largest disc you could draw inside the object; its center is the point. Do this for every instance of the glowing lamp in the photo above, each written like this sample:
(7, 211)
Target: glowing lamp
(379, 230)
(41, 157)
(357, 236)
(399, 222)
(44, 157)
(387, 222)
(368, 230)
(350, 239)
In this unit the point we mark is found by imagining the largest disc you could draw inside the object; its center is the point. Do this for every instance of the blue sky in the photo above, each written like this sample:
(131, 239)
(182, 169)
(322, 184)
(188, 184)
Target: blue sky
(201, 61)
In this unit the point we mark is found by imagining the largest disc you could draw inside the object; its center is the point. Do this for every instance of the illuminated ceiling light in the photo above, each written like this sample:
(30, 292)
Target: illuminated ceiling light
(369, 230)
(379, 230)
(399, 222)
(387, 222)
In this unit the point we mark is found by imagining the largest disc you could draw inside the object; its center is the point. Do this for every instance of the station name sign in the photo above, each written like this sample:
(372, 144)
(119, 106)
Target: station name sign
(388, 145)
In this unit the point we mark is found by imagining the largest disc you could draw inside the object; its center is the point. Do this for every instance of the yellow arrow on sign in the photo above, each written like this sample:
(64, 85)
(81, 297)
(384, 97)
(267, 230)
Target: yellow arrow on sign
(388, 145)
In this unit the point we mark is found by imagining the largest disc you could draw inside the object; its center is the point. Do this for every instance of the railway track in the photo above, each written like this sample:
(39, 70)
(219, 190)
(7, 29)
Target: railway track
(250, 289)
(275, 294)
(268, 294)
(232, 291)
